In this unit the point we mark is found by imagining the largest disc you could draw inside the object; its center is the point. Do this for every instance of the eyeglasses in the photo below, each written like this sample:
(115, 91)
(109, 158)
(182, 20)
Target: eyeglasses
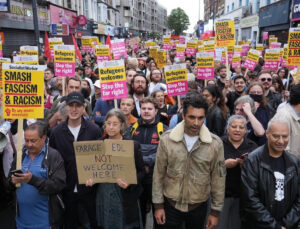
(264, 79)
(114, 124)
(140, 82)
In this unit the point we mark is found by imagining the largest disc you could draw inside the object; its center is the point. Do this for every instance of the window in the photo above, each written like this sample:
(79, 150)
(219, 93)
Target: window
(257, 5)
(240, 3)
(268, 2)
(232, 6)
(247, 2)
(227, 9)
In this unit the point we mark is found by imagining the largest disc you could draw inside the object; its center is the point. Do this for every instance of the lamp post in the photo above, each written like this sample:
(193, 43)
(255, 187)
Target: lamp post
(36, 25)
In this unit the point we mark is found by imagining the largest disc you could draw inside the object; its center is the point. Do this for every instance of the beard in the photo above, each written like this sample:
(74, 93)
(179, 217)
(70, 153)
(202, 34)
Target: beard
(139, 90)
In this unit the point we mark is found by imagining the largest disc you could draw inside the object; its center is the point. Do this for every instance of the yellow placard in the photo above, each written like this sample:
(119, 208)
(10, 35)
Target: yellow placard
(237, 48)
(272, 56)
(52, 43)
(2, 60)
(112, 74)
(241, 42)
(225, 33)
(86, 41)
(176, 75)
(209, 47)
(161, 58)
(192, 45)
(200, 48)
(273, 39)
(29, 53)
(259, 47)
(230, 49)
(180, 48)
(199, 43)
(253, 56)
(150, 43)
(66, 56)
(167, 40)
(293, 55)
(236, 58)
(285, 53)
(205, 62)
(102, 52)
(23, 93)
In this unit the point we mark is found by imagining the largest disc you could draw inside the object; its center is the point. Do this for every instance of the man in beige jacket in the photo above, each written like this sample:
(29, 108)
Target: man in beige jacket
(189, 169)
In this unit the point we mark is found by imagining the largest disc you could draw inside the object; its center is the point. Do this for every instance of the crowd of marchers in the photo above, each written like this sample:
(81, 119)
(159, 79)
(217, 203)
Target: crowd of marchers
(225, 155)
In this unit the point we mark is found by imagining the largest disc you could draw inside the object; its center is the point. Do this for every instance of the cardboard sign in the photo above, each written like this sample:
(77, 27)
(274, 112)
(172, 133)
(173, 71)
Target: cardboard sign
(102, 53)
(293, 55)
(205, 65)
(31, 60)
(176, 79)
(224, 33)
(236, 61)
(2, 60)
(252, 59)
(105, 161)
(180, 50)
(23, 91)
(1, 52)
(272, 59)
(112, 79)
(64, 60)
(191, 48)
(118, 49)
(29, 51)
(161, 56)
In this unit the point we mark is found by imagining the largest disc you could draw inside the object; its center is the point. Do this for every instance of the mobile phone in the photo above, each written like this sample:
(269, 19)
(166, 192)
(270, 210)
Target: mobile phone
(17, 171)
(243, 156)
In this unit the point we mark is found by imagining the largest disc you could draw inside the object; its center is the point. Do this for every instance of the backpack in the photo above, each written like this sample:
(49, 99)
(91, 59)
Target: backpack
(160, 128)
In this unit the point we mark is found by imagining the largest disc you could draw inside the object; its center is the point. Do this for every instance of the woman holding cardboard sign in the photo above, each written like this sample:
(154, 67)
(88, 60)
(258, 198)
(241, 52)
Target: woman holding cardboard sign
(117, 204)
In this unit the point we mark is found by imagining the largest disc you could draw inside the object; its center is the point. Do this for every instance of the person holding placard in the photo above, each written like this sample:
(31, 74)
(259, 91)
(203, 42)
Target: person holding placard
(117, 204)
(75, 128)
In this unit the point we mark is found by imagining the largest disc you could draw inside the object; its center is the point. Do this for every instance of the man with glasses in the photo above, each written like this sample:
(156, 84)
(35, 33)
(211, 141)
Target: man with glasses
(273, 98)
(138, 90)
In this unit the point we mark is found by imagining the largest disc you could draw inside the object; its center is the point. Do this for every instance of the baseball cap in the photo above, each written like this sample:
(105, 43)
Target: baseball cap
(97, 84)
(76, 97)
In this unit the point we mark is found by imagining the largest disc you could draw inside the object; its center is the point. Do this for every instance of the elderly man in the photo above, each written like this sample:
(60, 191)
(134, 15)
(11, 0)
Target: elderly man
(42, 178)
(271, 183)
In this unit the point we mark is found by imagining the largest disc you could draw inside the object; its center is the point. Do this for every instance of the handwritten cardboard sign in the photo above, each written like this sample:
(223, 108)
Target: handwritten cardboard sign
(105, 161)
(23, 91)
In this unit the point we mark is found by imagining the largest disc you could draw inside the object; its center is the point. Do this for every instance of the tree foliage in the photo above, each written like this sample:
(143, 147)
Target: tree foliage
(178, 21)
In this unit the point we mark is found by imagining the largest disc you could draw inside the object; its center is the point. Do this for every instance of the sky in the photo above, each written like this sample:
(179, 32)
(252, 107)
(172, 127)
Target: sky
(191, 8)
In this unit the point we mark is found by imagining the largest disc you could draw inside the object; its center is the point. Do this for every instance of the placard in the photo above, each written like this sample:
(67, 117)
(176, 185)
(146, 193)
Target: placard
(161, 57)
(23, 91)
(102, 53)
(1, 52)
(252, 59)
(275, 45)
(180, 50)
(31, 60)
(64, 60)
(191, 47)
(293, 55)
(118, 49)
(2, 60)
(112, 79)
(224, 33)
(150, 43)
(245, 49)
(105, 161)
(167, 45)
(182, 40)
(54, 41)
(29, 51)
(272, 59)
(176, 79)
(205, 65)
(236, 61)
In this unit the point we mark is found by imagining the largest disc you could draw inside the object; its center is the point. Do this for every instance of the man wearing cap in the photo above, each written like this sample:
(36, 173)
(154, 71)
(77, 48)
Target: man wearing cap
(97, 94)
(75, 128)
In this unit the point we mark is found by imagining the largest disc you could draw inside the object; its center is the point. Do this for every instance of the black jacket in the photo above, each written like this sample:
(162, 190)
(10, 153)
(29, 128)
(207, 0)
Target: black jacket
(233, 176)
(258, 184)
(62, 140)
(215, 121)
(273, 99)
(51, 186)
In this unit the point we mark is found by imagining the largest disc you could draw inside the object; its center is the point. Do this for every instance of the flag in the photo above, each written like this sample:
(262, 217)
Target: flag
(47, 48)
(108, 42)
(77, 51)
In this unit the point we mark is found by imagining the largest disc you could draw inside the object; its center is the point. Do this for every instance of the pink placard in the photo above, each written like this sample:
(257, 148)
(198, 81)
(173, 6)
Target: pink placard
(190, 51)
(275, 45)
(265, 36)
(223, 59)
(205, 73)
(114, 90)
(64, 69)
(167, 46)
(1, 53)
(177, 88)
(88, 49)
(271, 65)
(250, 64)
(181, 40)
(119, 50)
(235, 64)
(102, 58)
(245, 49)
(52, 53)
(230, 55)
(180, 54)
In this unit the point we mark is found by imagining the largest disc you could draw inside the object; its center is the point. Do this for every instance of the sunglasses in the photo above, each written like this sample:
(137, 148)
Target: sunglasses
(264, 79)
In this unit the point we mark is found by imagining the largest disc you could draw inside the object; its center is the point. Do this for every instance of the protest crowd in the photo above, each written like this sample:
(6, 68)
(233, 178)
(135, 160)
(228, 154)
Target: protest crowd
(214, 133)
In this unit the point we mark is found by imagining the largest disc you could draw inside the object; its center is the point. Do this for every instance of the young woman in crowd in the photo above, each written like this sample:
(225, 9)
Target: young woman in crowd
(156, 81)
(217, 110)
(117, 204)
(162, 107)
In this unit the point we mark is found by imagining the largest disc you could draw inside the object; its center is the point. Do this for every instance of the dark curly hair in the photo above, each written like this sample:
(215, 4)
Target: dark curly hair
(195, 99)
